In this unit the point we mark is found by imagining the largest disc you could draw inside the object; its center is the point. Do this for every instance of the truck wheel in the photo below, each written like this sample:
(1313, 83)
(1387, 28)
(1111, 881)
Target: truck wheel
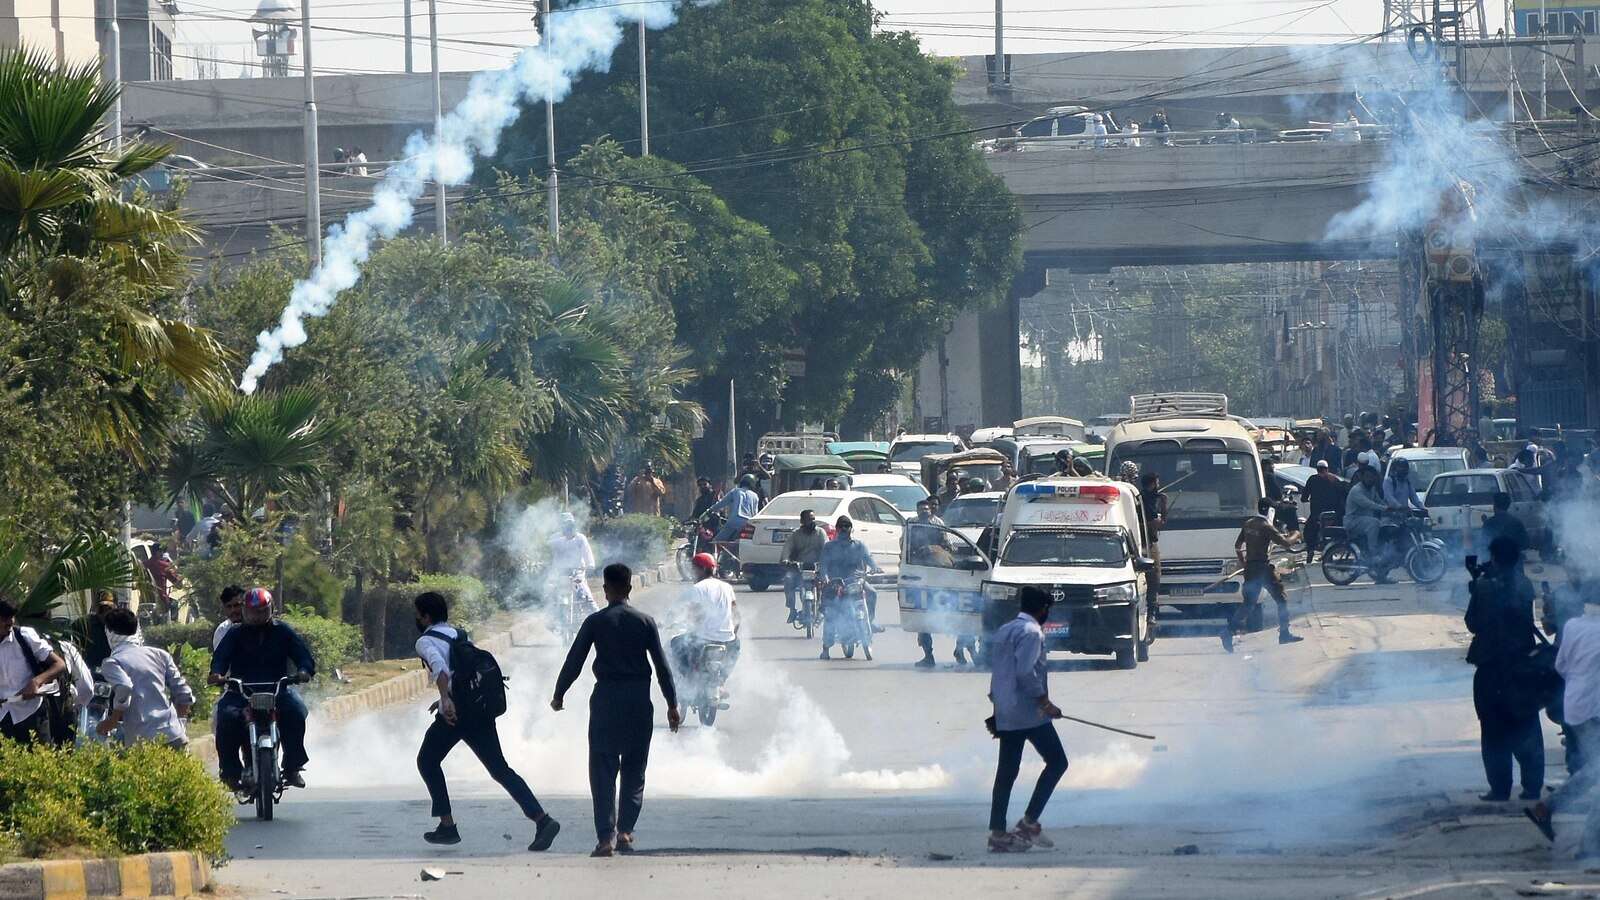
(1128, 656)
(759, 583)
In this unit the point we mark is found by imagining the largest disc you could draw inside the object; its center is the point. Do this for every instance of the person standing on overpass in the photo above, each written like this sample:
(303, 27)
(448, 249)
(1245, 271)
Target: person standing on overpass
(627, 646)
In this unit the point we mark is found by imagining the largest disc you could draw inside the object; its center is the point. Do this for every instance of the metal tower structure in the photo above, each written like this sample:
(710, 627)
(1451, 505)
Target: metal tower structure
(1446, 21)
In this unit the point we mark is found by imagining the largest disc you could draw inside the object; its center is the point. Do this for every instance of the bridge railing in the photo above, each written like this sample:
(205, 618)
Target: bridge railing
(1338, 133)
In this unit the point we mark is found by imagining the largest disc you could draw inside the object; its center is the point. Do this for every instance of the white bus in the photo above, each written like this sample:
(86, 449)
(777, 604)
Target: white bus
(1211, 473)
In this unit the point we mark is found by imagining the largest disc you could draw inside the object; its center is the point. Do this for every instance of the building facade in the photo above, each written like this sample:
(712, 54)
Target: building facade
(61, 29)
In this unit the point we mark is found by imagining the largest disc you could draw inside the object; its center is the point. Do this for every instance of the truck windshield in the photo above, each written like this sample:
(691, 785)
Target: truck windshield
(1065, 548)
(1204, 488)
(912, 451)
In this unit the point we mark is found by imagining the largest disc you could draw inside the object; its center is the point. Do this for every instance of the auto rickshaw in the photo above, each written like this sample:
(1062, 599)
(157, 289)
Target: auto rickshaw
(865, 457)
(800, 472)
(981, 463)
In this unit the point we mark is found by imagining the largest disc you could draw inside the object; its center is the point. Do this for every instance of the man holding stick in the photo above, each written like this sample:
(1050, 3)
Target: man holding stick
(1022, 713)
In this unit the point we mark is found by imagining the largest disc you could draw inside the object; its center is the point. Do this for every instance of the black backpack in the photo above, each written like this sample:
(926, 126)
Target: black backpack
(477, 685)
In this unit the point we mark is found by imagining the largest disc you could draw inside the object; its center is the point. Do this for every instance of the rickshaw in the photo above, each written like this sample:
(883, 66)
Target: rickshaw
(1050, 426)
(865, 457)
(800, 472)
(981, 463)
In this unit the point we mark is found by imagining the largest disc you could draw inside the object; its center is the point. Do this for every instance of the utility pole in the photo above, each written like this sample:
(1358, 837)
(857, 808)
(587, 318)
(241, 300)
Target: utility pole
(313, 184)
(552, 186)
(999, 78)
(1511, 74)
(1544, 65)
(409, 68)
(438, 117)
(644, 98)
(115, 31)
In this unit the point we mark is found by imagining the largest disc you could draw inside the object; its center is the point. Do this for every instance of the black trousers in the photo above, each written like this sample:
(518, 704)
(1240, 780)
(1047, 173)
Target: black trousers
(1506, 733)
(1048, 744)
(233, 735)
(621, 720)
(483, 739)
(35, 729)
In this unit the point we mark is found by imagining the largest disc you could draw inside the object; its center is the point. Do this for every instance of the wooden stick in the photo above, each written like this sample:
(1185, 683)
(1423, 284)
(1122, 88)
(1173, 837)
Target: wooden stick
(1148, 737)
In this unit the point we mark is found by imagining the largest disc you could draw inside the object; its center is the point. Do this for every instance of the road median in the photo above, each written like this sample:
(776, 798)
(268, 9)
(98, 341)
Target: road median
(145, 875)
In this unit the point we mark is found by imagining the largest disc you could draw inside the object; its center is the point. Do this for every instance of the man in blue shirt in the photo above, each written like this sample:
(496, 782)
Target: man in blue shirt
(1398, 491)
(847, 559)
(1018, 686)
(741, 504)
(258, 652)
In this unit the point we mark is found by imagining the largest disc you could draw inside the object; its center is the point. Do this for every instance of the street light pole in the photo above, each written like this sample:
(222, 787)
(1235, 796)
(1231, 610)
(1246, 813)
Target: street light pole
(115, 32)
(553, 184)
(438, 116)
(644, 98)
(409, 67)
(313, 182)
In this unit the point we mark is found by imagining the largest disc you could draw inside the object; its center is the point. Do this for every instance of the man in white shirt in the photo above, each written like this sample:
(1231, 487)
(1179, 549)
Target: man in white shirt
(711, 614)
(232, 600)
(1578, 662)
(570, 552)
(150, 698)
(28, 670)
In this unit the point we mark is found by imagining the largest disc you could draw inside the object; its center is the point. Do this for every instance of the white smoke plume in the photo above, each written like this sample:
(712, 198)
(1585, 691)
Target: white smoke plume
(580, 38)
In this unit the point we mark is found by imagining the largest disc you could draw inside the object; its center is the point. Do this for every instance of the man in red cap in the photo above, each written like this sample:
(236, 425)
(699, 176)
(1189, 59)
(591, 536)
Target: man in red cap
(712, 614)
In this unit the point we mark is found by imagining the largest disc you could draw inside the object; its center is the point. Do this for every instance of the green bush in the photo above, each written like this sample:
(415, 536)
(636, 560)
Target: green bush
(637, 540)
(307, 580)
(194, 634)
(102, 799)
(333, 643)
(195, 664)
(470, 604)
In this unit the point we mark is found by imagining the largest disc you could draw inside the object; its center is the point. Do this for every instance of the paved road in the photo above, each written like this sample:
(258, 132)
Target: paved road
(1342, 765)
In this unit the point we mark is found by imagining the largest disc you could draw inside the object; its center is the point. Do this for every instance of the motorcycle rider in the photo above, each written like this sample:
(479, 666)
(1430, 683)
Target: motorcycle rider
(1398, 492)
(804, 548)
(1063, 462)
(1363, 509)
(712, 616)
(845, 559)
(260, 651)
(703, 501)
(741, 504)
(570, 552)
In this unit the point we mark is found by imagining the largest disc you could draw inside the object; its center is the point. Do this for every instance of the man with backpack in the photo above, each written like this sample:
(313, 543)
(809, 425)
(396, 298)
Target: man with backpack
(29, 671)
(472, 694)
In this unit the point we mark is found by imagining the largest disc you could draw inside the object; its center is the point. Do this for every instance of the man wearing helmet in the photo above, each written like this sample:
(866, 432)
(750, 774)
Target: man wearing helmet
(259, 651)
(570, 552)
(740, 506)
(1063, 461)
(709, 610)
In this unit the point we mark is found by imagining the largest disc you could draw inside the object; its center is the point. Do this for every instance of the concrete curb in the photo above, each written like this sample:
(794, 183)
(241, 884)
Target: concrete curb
(146, 875)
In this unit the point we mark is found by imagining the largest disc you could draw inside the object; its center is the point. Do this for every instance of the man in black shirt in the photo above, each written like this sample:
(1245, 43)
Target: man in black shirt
(627, 645)
(1504, 524)
(1500, 617)
(1325, 492)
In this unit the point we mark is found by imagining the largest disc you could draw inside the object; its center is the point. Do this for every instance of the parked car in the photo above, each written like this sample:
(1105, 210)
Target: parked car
(901, 492)
(1429, 462)
(877, 524)
(1458, 502)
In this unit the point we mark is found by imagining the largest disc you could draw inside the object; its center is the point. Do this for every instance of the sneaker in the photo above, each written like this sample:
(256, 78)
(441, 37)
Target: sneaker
(924, 663)
(294, 779)
(792, 616)
(1008, 843)
(545, 834)
(824, 654)
(601, 850)
(1285, 637)
(1033, 834)
(444, 834)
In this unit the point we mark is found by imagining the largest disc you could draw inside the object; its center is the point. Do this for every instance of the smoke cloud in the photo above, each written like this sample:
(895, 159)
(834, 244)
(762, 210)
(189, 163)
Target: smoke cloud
(580, 38)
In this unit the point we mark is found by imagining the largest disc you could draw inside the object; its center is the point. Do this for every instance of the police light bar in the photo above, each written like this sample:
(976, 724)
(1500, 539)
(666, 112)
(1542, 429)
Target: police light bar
(1036, 490)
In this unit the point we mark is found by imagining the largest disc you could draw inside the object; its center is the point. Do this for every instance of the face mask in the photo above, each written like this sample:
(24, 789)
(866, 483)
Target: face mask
(114, 640)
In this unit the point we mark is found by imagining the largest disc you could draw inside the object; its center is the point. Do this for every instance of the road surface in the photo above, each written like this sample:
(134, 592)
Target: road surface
(1343, 766)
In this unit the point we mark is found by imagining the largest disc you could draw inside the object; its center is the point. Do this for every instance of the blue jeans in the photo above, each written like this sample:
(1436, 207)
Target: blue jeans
(730, 530)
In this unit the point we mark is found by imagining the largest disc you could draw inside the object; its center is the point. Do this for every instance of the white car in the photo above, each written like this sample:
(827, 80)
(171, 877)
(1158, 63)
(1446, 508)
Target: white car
(876, 524)
(970, 514)
(1458, 502)
(907, 450)
(1429, 462)
(902, 493)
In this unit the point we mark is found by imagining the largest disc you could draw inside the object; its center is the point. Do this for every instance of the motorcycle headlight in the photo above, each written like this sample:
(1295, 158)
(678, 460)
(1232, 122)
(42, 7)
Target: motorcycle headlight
(996, 591)
(1116, 594)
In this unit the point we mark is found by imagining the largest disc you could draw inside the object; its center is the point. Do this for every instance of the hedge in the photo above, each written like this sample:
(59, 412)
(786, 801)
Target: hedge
(470, 604)
(104, 799)
(194, 634)
(637, 540)
(333, 644)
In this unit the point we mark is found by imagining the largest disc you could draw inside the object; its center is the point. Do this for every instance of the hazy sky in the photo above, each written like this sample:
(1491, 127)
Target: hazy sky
(485, 33)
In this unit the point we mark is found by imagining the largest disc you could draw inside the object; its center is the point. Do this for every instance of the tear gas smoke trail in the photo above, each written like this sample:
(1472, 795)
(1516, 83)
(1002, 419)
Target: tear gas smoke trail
(580, 38)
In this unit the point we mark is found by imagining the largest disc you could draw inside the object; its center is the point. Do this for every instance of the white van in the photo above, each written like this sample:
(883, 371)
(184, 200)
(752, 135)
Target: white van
(1083, 540)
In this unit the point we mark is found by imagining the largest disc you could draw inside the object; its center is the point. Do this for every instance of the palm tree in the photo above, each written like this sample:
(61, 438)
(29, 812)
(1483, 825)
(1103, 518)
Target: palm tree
(250, 449)
(69, 206)
(91, 561)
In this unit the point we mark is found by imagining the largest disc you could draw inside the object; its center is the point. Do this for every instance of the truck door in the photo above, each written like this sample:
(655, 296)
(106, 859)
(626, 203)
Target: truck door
(941, 581)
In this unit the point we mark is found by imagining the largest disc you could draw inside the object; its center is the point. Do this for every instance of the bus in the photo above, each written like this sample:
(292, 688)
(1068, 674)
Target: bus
(1210, 470)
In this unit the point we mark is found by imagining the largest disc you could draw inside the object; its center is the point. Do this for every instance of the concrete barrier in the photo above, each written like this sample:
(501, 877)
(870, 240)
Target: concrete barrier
(145, 875)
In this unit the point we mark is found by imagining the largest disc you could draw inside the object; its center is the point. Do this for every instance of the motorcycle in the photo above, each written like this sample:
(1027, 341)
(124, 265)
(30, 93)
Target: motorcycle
(704, 684)
(808, 612)
(261, 782)
(848, 623)
(1403, 539)
(572, 607)
(91, 714)
(700, 536)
